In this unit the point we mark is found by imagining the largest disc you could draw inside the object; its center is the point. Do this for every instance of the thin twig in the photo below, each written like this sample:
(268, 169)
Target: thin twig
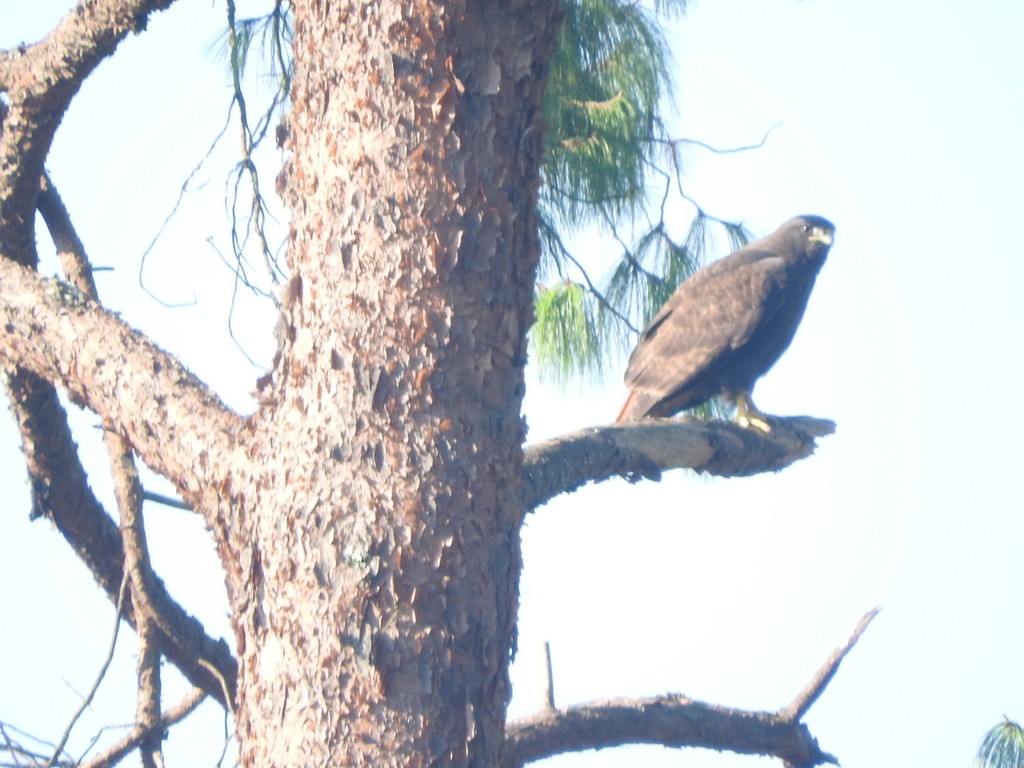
(175, 714)
(174, 210)
(597, 294)
(230, 702)
(62, 742)
(549, 692)
(16, 748)
(730, 150)
(167, 501)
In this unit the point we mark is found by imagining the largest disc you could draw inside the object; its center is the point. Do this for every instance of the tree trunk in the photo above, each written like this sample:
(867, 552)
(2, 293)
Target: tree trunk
(371, 523)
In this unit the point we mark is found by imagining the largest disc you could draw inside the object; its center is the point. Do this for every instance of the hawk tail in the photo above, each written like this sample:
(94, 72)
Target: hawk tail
(626, 414)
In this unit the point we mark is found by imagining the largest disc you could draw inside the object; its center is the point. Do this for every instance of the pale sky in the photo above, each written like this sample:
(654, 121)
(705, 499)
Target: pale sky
(900, 122)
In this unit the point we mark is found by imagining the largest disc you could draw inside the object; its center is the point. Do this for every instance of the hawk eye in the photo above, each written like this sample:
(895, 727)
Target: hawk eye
(806, 228)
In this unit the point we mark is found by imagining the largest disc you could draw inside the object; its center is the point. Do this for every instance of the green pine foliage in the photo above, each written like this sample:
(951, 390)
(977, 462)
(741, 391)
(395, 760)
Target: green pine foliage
(604, 86)
(1003, 747)
(611, 166)
(564, 334)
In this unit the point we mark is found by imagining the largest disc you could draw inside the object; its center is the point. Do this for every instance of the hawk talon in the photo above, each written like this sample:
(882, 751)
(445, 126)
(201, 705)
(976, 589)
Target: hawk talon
(747, 415)
(752, 422)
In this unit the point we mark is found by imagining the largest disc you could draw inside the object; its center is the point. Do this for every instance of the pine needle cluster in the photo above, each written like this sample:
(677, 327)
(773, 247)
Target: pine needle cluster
(1003, 747)
(612, 171)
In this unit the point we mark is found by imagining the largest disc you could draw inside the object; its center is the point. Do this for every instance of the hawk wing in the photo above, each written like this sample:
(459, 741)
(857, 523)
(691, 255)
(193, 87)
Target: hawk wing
(709, 317)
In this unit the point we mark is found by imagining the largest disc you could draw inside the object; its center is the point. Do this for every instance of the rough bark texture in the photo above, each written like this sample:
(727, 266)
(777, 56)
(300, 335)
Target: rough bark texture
(374, 582)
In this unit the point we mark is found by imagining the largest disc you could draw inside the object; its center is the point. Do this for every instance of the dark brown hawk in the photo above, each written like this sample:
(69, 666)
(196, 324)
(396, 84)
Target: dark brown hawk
(727, 324)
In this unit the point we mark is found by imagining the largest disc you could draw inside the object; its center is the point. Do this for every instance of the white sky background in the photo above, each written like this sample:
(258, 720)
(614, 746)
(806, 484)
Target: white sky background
(903, 124)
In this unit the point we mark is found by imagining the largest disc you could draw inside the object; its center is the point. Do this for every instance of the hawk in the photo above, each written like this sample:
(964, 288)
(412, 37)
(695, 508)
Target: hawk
(727, 324)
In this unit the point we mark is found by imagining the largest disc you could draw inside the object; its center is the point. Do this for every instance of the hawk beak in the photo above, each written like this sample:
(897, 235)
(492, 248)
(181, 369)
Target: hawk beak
(821, 236)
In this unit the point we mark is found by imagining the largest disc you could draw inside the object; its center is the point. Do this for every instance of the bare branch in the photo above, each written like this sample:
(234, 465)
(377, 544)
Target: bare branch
(117, 752)
(53, 329)
(671, 721)
(83, 38)
(40, 80)
(167, 501)
(147, 707)
(99, 678)
(549, 690)
(60, 490)
(128, 491)
(645, 449)
(798, 708)
(728, 150)
(61, 493)
(70, 251)
(676, 721)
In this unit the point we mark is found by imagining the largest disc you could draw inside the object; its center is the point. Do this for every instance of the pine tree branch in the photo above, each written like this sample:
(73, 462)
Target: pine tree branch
(61, 493)
(52, 329)
(645, 449)
(128, 492)
(117, 752)
(70, 250)
(669, 721)
(80, 41)
(676, 721)
(149, 685)
(39, 81)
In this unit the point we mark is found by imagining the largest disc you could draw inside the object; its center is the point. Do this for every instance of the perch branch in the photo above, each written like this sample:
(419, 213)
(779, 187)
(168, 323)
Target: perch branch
(645, 449)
